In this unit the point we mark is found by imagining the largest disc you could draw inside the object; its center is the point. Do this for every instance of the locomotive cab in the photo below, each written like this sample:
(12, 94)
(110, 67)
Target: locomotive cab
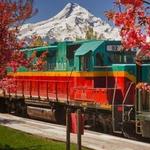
(143, 105)
(92, 57)
(143, 114)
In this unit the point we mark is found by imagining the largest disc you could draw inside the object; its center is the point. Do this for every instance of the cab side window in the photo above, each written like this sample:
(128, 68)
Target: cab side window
(98, 60)
(85, 62)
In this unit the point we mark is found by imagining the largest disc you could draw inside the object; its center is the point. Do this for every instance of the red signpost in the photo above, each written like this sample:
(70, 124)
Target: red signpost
(74, 124)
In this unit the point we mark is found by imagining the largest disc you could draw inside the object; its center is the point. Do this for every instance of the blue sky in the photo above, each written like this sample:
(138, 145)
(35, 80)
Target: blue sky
(49, 8)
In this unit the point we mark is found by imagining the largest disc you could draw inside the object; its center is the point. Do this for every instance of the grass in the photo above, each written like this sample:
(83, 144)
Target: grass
(11, 139)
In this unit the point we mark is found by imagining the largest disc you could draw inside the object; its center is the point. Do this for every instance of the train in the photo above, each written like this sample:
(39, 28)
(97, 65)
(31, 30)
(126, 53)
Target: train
(97, 76)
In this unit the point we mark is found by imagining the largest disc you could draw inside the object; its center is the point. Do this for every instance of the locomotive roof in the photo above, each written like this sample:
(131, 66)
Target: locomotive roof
(87, 47)
(40, 48)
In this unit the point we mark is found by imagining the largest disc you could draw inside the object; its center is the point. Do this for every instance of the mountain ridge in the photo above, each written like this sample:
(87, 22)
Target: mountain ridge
(70, 23)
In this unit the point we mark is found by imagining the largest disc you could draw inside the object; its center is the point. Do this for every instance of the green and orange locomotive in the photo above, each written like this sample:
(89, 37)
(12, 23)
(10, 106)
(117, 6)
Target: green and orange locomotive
(97, 76)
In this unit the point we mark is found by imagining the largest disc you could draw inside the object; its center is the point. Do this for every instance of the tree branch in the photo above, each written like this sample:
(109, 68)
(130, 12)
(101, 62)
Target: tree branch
(120, 8)
(146, 2)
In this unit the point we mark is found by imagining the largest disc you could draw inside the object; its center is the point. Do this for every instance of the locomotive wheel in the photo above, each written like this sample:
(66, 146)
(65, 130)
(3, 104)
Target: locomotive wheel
(20, 108)
(98, 121)
(102, 124)
(23, 109)
(60, 115)
(12, 107)
(128, 130)
(7, 106)
(2, 105)
(108, 120)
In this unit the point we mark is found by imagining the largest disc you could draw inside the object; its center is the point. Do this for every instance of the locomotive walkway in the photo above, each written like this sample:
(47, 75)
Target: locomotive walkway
(93, 140)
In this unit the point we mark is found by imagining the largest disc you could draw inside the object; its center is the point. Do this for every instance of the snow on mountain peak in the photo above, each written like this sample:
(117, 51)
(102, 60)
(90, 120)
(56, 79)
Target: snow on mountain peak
(69, 24)
(72, 5)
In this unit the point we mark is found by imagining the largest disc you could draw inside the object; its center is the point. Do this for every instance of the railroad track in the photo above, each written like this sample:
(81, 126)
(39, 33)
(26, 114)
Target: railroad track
(90, 139)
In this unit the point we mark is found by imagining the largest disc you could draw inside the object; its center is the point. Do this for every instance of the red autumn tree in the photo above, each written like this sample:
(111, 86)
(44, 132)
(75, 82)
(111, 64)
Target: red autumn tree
(133, 19)
(13, 13)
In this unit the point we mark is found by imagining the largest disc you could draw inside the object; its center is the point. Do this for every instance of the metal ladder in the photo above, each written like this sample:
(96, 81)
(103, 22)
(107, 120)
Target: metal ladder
(115, 119)
(124, 100)
(116, 115)
(138, 127)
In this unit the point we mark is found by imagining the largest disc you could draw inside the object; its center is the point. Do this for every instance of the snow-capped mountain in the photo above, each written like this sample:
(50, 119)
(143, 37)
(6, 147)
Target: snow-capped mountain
(69, 24)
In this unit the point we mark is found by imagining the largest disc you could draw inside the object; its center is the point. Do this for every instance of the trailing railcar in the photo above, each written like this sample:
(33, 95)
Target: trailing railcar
(96, 76)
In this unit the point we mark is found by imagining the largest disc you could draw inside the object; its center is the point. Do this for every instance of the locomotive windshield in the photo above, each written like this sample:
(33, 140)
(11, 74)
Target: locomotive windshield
(144, 101)
(85, 62)
(70, 53)
(118, 55)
